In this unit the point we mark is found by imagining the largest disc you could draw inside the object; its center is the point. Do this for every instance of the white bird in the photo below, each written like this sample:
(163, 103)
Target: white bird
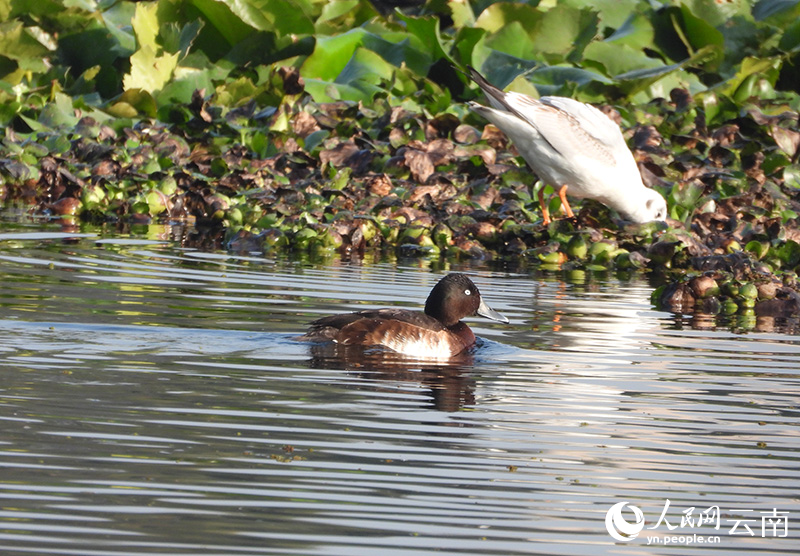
(572, 146)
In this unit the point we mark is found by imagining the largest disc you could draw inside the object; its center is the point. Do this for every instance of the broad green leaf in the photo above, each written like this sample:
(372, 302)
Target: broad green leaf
(562, 80)
(233, 92)
(699, 34)
(715, 13)
(16, 43)
(777, 11)
(750, 70)
(425, 29)
(149, 71)
(620, 59)
(132, 103)
(336, 8)
(612, 13)
(177, 38)
(224, 22)
(185, 82)
(283, 16)
(790, 41)
(496, 16)
(462, 13)
(513, 40)
(59, 114)
(636, 32)
(357, 81)
(35, 8)
(145, 25)
(498, 67)
(791, 176)
(331, 55)
(366, 66)
(564, 30)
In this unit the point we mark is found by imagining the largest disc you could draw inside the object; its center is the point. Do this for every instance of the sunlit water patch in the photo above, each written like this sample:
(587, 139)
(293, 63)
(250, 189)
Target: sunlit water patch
(154, 400)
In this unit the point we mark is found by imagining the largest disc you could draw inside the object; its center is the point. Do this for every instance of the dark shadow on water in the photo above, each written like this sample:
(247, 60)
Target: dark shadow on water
(448, 383)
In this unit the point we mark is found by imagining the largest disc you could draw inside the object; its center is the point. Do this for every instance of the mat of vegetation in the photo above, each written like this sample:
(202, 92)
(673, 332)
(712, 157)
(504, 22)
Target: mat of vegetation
(341, 127)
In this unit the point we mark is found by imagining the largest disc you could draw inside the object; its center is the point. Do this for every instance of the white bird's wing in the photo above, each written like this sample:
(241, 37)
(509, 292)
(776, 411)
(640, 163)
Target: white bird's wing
(570, 127)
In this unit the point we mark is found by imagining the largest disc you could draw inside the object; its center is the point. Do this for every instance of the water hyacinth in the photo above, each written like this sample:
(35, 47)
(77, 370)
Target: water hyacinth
(348, 133)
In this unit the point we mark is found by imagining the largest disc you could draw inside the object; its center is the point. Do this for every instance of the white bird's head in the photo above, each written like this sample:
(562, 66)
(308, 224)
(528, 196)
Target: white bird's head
(651, 206)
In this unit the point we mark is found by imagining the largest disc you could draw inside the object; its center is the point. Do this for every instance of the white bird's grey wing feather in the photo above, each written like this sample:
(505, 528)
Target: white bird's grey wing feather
(563, 126)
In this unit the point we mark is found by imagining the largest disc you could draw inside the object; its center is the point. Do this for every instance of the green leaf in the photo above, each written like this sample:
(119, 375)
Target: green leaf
(145, 25)
(462, 13)
(779, 11)
(425, 29)
(149, 71)
(619, 59)
(357, 81)
(221, 30)
(133, 102)
(790, 40)
(282, 16)
(752, 69)
(59, 114)
(700, 34)
(716, 14)
(565, 30)
(335, 9)
(513, 40)
(17, 43)
(636, 32)
(791, 176)
(561, 80)
(331, 55)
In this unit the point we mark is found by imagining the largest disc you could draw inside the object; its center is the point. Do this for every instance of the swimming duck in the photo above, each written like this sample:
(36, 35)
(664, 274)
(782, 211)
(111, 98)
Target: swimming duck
(436, 333)
(575, 148)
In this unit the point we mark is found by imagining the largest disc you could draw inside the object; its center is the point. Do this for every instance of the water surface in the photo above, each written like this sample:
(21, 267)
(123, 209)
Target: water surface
(153, 401)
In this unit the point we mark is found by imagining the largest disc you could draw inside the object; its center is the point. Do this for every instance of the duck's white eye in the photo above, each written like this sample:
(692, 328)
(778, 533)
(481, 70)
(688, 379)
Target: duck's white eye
(467, 292)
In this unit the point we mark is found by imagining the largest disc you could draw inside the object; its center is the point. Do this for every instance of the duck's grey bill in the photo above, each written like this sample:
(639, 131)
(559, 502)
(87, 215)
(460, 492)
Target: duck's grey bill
(485, 311)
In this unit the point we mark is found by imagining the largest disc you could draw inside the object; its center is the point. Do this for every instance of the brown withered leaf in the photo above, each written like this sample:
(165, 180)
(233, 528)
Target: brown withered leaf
(380, 185)
(496, 138)
(787, 140)
(441, 126)
(198, 105)
(415, 216)
(487, 153)
(681, 98)
(420, 191)
(485, 198)
(466, 134)
(726, 135)
(482, 230)
(440, 151)
(65, 206)
(419, 163)
(647, 138)
(304, 124)
(292, 82)
(340, 154)
(106, 167)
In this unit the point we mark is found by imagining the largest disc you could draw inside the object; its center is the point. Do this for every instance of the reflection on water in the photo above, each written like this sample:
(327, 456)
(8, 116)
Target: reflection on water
(154, 401)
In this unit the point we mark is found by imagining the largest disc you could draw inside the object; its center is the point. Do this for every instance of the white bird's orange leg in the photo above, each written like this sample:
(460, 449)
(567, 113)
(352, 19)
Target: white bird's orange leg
(562, 194)
(545, 213)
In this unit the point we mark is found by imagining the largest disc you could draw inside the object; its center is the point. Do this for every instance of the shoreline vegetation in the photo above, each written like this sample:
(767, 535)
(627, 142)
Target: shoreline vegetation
(326, 127)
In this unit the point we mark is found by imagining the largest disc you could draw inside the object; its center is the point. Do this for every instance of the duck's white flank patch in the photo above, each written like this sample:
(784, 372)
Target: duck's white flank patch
(426, 346)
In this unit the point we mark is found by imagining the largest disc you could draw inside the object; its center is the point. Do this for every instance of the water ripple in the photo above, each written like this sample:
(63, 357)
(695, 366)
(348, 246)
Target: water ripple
(154, 401)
